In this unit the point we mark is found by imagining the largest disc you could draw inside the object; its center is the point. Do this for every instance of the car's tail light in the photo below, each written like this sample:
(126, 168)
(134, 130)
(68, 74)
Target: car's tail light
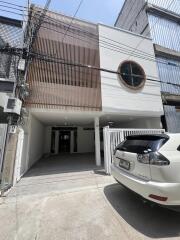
(153, 158)
(158, 159)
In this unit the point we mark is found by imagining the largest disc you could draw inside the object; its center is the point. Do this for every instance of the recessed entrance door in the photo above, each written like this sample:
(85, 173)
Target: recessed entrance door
(64, 141)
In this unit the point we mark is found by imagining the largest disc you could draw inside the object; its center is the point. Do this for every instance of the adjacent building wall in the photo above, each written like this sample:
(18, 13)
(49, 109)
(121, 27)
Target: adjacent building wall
(169, 71)
(133, 17)
(9, 161)
(11, 34)
(170, 5)
(164, 32)
(172, 119)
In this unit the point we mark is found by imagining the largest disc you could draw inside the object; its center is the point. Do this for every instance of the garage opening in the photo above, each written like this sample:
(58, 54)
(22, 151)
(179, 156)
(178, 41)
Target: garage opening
(59, 143)
(67, 142)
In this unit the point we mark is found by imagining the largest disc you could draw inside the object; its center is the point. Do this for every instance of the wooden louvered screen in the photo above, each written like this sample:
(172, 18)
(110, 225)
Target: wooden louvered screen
(56, 85)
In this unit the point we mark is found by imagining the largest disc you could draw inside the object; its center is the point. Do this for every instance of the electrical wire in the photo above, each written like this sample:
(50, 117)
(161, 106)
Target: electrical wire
(91, 35)
(121, 50)
(50, 59)
(95, 38)
(111, 45)
(115, 47)
(80, 3)
(64, 62)
(109, 48)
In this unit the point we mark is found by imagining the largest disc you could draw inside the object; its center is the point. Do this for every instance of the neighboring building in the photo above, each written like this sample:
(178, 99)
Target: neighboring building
(69, 104)
(159, 20)
(11, 35)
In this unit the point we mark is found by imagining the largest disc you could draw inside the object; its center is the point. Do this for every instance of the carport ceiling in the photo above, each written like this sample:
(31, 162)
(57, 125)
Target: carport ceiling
(64, 118)
(56, 118)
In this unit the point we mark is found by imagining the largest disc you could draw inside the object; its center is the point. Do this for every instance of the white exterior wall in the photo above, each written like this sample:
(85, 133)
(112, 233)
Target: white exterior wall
(33, 144)
(85, 140)
(150, 123)
(115, 96)
(36, 143)
(25, 150)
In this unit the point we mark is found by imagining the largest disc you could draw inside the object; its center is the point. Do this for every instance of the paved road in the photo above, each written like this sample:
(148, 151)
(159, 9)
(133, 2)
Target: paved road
(81, 206)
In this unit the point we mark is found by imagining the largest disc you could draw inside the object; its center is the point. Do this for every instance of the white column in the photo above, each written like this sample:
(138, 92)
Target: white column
(97, 142)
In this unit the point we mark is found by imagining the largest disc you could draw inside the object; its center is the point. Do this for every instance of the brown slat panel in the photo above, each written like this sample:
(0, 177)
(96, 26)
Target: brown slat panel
(60, 86)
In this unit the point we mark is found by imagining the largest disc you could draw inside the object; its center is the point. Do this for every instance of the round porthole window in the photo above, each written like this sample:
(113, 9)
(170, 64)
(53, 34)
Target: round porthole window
(132, 75)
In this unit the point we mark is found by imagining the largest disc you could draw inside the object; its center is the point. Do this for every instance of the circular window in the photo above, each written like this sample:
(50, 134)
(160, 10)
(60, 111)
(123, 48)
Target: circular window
(132, 74)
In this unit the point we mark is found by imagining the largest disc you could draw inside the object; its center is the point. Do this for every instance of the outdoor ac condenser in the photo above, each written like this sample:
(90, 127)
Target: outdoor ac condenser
(13, 105)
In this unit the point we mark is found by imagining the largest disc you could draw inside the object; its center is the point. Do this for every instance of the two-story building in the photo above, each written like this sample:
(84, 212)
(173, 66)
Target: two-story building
(82, 78)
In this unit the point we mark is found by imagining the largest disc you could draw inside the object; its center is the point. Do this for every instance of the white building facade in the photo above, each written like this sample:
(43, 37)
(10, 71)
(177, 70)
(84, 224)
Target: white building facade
(81, 79)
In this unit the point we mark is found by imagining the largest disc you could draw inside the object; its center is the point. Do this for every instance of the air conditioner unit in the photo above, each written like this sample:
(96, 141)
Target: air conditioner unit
(13, 105)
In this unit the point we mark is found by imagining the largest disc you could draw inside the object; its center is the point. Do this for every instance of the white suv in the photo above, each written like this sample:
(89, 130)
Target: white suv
(150, 166)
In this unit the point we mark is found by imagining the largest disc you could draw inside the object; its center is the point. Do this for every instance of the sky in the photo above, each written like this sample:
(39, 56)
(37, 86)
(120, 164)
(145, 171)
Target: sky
(102, 11)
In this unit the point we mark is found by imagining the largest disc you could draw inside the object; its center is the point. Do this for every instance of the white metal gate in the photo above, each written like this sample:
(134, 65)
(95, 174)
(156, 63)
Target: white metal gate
(113, 136)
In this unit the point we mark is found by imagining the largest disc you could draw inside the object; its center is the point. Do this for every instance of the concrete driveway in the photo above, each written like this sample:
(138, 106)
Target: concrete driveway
(84, 205)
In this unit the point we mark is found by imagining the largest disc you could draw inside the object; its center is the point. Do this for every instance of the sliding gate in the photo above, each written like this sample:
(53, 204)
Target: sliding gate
(113, 136)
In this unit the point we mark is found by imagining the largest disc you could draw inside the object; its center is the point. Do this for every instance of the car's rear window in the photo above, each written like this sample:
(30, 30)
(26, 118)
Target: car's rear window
(142, 144)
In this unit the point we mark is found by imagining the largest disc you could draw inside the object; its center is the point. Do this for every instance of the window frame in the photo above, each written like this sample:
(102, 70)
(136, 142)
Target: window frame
(141, 85)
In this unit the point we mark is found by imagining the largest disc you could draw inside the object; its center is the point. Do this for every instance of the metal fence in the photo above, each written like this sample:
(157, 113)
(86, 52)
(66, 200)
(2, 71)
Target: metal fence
(113, 136)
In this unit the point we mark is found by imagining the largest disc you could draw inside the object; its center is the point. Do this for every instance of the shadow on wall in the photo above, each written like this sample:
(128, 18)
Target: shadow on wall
(154, 222)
